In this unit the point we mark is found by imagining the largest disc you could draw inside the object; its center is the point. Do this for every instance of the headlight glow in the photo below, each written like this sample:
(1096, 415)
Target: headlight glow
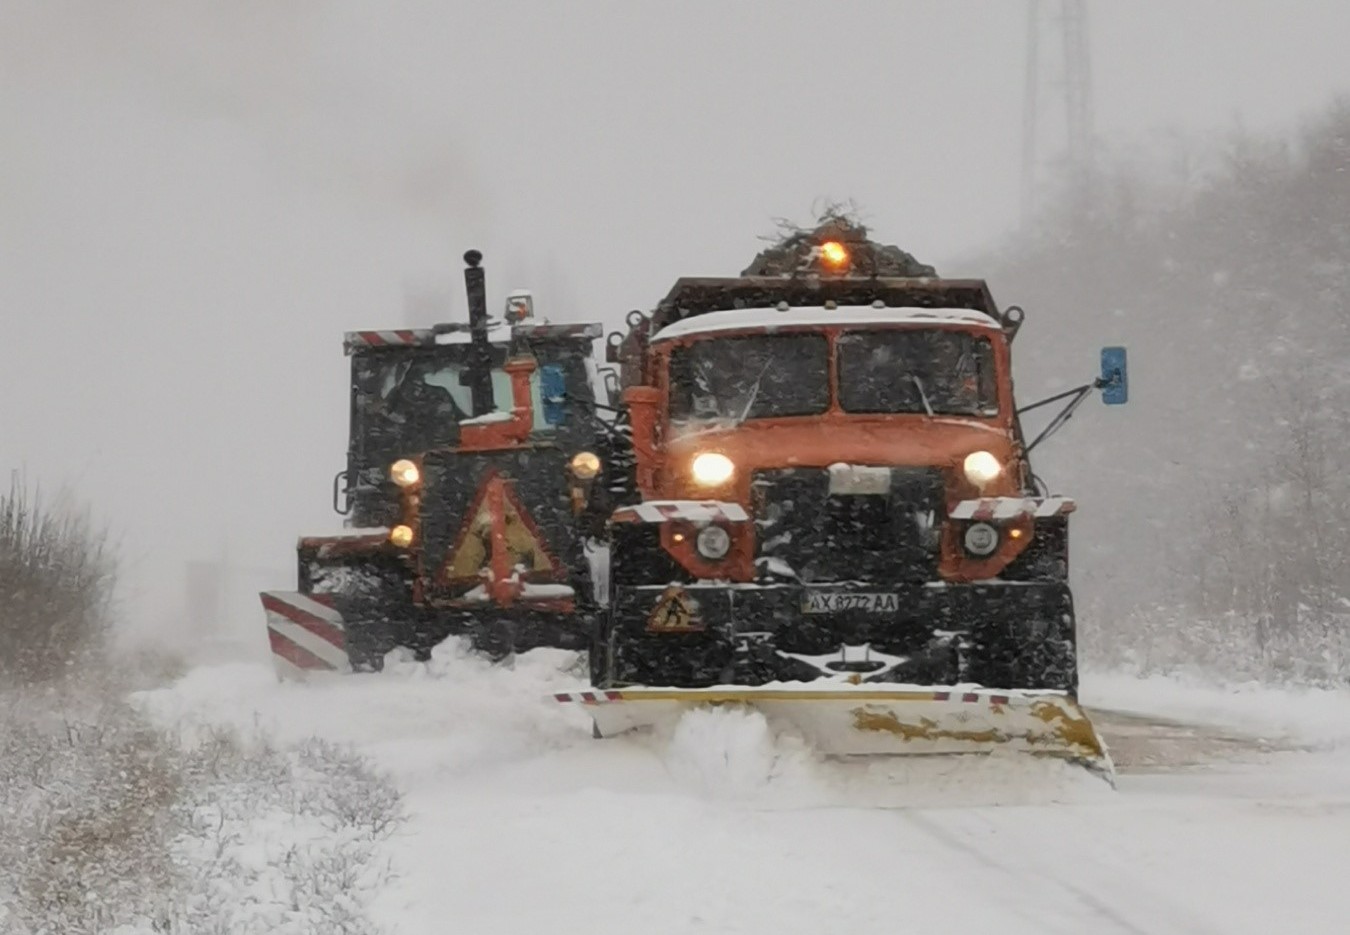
(710, 469)
(404, 473)
(981, 467)
(585, 464)
(401, 536)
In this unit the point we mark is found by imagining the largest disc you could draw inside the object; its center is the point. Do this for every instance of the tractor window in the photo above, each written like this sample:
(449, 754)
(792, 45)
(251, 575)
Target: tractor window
(413, 403)
(917, 370)
(755, 377)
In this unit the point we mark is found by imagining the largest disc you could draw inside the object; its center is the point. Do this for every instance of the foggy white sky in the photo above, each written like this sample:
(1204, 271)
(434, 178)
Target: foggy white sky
(197, 199)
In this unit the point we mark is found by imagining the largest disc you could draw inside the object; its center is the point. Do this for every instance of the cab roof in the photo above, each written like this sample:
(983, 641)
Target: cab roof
(694, 297)
(460, 334)
(817, 316)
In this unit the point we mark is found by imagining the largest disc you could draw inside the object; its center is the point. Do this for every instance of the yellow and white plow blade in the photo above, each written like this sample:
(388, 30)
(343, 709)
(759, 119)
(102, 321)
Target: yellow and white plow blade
(849, 720)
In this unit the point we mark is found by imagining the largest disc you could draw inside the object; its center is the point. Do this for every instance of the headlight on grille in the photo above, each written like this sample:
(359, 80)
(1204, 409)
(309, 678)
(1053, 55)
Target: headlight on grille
(404, 473)
(711, 469)
(981, 467)
(585, 465)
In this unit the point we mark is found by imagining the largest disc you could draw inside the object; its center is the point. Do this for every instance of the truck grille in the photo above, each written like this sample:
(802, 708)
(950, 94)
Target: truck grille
(826, 537)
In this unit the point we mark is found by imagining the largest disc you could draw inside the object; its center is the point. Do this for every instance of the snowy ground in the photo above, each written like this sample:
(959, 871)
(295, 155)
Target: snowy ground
(1232, 821)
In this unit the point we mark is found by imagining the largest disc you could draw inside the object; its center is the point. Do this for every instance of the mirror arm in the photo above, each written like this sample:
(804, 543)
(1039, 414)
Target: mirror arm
(1085, 388)
(1064, 414)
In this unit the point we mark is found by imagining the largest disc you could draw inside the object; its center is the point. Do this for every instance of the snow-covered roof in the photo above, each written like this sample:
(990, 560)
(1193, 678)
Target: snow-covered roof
(819, 316)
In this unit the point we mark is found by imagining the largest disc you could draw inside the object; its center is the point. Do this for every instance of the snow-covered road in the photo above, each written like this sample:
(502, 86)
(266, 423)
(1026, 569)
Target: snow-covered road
(523, 824)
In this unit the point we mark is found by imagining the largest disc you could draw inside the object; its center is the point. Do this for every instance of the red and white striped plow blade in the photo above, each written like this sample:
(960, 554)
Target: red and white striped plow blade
(305, 632)
(863, 720)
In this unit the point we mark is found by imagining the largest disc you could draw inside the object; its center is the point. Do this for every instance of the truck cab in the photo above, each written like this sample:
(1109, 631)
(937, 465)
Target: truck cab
(831, 480)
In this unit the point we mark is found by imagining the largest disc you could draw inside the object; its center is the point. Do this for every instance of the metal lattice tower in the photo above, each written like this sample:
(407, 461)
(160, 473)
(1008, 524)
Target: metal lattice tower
(1073, 81)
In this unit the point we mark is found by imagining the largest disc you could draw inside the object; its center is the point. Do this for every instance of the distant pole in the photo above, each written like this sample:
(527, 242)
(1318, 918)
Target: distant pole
(1078, 116)
(1030, 103)
(1069, 18)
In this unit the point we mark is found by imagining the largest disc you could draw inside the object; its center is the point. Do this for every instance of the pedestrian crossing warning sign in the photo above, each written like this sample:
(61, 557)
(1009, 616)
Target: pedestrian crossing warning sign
(499, 537)
(675, 612)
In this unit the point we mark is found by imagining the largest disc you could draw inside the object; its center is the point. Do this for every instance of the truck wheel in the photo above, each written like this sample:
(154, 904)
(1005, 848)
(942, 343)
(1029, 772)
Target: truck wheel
(365, 648)
(599, 651)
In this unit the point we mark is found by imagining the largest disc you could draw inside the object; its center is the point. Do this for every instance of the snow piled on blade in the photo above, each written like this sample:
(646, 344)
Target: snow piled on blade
(734, 754)
(460, 719)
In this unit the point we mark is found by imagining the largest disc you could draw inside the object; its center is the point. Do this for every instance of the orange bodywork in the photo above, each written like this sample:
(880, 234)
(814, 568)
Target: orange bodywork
(664, 453)
(507, 433)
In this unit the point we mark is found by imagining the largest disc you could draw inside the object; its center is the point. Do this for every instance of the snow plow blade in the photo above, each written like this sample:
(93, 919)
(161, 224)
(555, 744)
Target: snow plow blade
(862, 720)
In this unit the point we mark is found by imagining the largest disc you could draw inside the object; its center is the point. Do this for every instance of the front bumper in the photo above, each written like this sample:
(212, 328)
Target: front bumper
(1004, 635)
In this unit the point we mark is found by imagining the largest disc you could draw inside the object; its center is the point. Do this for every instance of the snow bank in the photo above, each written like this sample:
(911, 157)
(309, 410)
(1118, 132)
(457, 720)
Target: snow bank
(1319, 716)
(520, 822)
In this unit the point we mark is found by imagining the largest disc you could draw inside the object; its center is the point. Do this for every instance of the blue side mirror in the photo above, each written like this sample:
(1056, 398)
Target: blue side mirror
(1115, 379)
(553, 389)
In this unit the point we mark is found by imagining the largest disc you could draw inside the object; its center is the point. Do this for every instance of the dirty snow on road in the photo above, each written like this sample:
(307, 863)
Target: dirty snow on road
(1224, 820)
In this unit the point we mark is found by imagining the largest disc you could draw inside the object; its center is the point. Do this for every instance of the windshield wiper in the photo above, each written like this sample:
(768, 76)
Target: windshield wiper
(922, 394)
(754, 394)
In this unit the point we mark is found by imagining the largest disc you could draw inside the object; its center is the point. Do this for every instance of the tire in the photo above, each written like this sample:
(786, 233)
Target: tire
(377, 615)
(598, 655)
(366, 645)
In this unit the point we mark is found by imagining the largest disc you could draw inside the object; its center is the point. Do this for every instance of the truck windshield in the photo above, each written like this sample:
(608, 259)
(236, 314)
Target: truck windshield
(755, 377)
(933, 370)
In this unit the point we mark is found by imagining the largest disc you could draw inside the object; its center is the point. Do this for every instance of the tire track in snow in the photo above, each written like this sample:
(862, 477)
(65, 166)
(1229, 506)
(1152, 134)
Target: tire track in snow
(1030, 868)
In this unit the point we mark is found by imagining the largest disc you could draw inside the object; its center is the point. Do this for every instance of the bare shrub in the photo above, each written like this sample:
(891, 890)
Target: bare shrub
(84, 845)
(107, 824)
(56, 582)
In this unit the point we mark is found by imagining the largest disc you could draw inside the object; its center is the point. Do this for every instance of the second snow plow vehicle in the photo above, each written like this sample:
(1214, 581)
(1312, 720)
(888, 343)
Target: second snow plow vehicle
(831, 516)
(467, 490)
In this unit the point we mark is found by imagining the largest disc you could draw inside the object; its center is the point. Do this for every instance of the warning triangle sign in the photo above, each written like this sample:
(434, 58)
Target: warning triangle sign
(673, 613)
(499, 537)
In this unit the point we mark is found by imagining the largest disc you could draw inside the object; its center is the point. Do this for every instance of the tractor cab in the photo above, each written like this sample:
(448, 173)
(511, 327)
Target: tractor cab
(414, 391)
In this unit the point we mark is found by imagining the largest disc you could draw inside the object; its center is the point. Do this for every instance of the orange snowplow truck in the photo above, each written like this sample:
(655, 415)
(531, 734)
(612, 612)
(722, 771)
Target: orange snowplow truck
(830, 490)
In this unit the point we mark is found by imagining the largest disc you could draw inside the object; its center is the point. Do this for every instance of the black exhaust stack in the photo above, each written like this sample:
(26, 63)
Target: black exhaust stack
(479, 377)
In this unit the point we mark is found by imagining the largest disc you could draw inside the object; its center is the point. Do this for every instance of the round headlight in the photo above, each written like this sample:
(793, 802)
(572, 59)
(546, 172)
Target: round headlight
(981, 467)
(585, 464)
(404, 473)
(713, 542)
(981, 539)
(401, 536)
(711, 469)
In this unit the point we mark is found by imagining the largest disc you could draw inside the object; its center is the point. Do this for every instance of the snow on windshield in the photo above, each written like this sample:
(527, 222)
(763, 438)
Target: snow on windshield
(932, 370)
(937, 371)
(754, 377)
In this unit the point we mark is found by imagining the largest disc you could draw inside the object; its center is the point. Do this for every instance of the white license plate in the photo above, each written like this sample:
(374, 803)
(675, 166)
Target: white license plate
(859, 479)
(828, 602)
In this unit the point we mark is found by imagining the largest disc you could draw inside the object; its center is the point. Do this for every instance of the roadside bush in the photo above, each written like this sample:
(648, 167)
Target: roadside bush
(113, 826)
(56, 584)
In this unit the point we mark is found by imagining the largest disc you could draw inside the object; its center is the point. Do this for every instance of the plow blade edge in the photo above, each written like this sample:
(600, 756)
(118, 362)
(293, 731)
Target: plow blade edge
(864, 721)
